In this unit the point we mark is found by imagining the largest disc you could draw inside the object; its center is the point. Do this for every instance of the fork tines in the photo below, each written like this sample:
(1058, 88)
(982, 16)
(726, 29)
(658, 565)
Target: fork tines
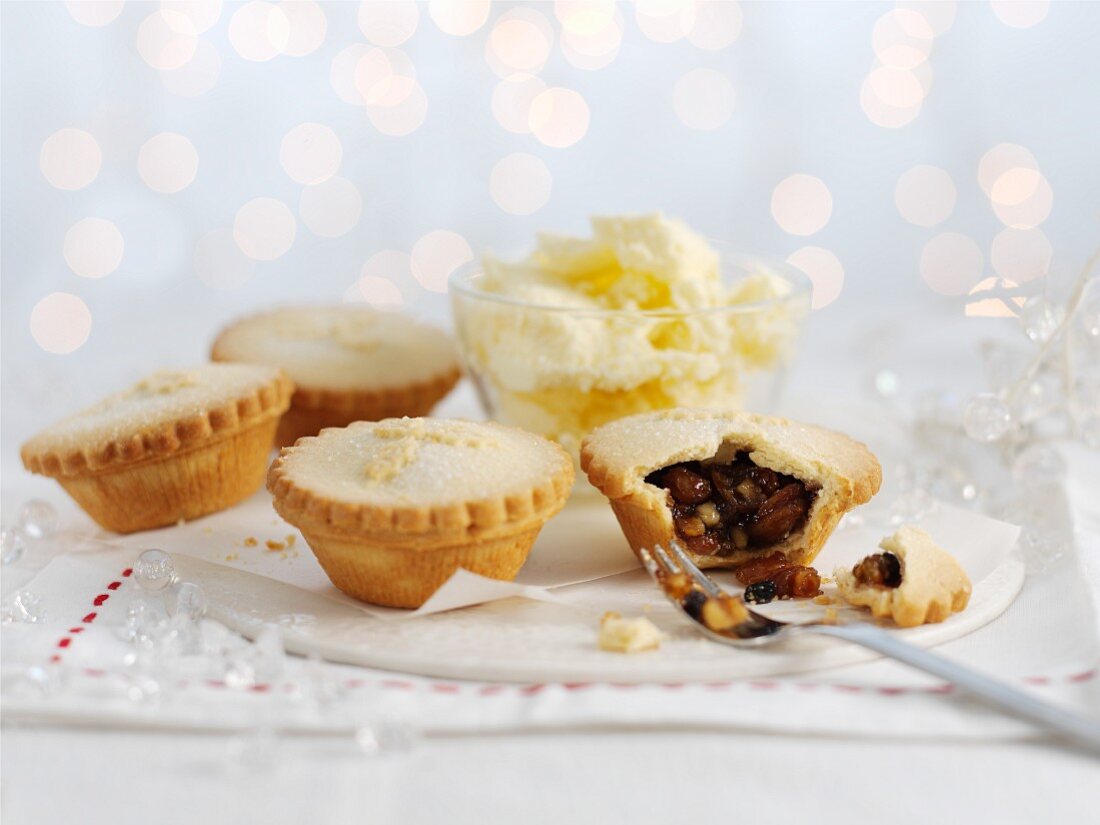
(661, 566)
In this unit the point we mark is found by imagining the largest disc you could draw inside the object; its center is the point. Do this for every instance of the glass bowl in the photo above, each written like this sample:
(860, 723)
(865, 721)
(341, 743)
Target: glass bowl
(563, 371)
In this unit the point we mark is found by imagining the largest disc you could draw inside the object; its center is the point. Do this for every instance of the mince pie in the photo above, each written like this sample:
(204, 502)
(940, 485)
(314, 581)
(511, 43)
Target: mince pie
(914, 581)
(735, 489)
(176, 445)
(392, 508)
(348, 363)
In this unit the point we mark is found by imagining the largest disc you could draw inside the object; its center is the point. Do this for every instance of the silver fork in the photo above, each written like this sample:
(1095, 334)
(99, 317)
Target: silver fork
(759, 631)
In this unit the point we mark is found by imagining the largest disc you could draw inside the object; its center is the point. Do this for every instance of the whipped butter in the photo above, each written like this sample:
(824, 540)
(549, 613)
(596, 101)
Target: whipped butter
(635, 318)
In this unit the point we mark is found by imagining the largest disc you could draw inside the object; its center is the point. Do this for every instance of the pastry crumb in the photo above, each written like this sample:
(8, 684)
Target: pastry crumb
(824, 600)
(291, 539)
(622, 635)
(232, 557)
(826, 579)
(275, 545)
(251, 541)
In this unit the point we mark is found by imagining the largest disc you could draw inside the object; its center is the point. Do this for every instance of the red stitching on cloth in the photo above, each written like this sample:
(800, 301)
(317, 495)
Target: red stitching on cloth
(98, 601)
(114, 585)
(89, 618)
(127, 572)
(65, 642)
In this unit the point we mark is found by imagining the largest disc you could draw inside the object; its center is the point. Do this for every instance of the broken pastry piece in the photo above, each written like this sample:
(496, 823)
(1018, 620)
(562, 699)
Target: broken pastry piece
(733, 488)
(914, 581)
(620, 635)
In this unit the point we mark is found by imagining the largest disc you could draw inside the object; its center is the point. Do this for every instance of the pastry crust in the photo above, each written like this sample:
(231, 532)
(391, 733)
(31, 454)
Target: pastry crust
(349, 363)
(933, 584)
(617, 457)
(392, 508)
(177, 445)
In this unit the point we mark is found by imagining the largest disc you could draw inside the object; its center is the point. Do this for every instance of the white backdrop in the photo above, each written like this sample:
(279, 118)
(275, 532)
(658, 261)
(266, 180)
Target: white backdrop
(780, 128)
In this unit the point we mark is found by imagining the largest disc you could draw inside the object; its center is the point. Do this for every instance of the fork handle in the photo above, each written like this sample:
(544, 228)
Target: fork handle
(1079, 729)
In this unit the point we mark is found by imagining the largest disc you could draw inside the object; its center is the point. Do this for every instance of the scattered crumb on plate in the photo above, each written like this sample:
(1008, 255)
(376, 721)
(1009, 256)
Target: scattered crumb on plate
(291, 539)
(275, 545)
(250, 541)
(620, 635)
(824, 600)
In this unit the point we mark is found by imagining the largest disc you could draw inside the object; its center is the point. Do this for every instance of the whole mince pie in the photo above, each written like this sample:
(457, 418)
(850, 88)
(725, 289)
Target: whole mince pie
(913, 581)
(756, 494)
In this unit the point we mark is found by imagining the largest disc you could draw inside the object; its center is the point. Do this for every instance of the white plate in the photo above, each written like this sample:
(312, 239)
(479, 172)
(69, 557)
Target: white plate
(536, 641)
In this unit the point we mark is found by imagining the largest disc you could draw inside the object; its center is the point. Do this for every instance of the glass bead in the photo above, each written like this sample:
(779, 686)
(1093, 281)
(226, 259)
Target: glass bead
(154, 570)
(186, 599)
(886, 383)
(987, 418)
(38, 519)
(14, 545)
(240, 670)
(1039, 464)
(23, 607)
(1039, 397)
(1040, 318)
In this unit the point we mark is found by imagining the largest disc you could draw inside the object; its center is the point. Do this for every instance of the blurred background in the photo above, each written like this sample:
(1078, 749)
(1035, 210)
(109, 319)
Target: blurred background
(167, 166)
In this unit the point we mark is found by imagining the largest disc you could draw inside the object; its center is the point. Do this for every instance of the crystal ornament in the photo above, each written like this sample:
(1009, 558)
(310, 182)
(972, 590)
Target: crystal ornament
(1037, 465)
(987, 418)
(186, 599)
(14, 545)
(23, 607)
(1040, 319)
(38, 519)
(154, 570)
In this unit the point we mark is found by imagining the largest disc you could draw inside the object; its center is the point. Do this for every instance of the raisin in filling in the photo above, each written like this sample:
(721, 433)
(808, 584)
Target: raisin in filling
(721, 508)
(878, 570)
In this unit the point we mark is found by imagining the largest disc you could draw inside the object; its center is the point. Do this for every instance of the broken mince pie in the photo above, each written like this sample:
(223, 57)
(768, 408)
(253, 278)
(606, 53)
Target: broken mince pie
(914, 581)
(737, 490)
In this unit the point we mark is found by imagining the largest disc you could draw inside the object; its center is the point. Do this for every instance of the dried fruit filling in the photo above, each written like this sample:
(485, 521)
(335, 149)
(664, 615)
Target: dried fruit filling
(720, 508)
(878, 570)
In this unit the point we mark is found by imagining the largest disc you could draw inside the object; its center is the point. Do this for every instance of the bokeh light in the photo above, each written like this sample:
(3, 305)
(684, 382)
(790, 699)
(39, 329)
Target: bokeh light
(264, 229)
(388, 23)
(60, 323)
(925, 195)
(993, 306)
(703, 99)
(306, 26)
(1022, 198)
(586, 45)
(1003, 158)
(436, 256)
(951, 263)
(1021, 254)
(802, 204)
(717, 24)
(378, 292)
(1021, 14)
(168, 162)
(220, 263)
(665, 21)
(940, 14)
(584, 17)
(459, 17)
(520, 41)
(824, 270)
(70, 159)
(902, 39)
(93, 247)
(384, 77)
(332, 208)
(405, 117)
(167, 39)
(198, 75)
(94, 12)
(203, 14)
(311, 153)
(891, 97)
(558, 117)
(521, 184)
(259, 31)
(512, 99)
(343, 70)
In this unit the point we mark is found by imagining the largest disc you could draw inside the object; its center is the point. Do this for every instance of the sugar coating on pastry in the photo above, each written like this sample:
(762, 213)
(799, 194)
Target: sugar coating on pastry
(411, 461)
(340, 347)
(153, 414)
(624, 635)
(838, 472)
(929, 584)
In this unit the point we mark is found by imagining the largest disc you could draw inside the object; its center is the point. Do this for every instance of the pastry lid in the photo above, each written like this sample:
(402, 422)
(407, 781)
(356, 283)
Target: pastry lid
(341, 348)
(165, 413)
(420, 475)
